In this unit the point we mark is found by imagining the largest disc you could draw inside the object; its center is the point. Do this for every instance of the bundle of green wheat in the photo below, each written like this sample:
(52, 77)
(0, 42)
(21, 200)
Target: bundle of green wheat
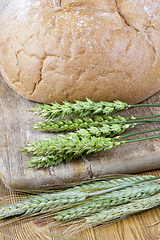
(87, 134)
(97, 202)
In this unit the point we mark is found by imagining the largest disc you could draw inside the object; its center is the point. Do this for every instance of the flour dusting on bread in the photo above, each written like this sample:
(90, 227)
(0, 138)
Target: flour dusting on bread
(52, 50)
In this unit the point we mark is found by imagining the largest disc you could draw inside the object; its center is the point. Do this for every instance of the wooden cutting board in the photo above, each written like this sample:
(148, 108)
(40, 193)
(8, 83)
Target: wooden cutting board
(16, 130)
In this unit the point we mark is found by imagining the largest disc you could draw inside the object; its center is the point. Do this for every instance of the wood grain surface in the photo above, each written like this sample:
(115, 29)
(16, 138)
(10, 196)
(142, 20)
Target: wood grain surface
(16, 130)
(135, 227)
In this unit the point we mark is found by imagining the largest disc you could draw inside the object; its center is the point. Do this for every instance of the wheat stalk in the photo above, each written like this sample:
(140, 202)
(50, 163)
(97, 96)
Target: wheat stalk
(53, 146)
(62, 150)
(42, 203)
(66, 148)
(124, 210)
(108, 200)
(87, 122)
(63, 142)
(84, 122)
(82, 108)
(113, 182)
(64, 198)
(77, 123)
(78, 108)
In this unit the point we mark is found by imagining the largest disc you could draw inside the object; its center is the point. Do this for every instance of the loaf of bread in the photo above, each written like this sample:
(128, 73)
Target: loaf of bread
(57, 50)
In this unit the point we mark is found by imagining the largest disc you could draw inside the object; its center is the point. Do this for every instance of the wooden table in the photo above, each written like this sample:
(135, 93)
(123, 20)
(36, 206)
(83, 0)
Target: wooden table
(131, 228)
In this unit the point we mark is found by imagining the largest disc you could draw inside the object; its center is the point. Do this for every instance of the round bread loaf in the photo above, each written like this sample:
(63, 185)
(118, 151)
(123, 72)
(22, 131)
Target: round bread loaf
(57, 50)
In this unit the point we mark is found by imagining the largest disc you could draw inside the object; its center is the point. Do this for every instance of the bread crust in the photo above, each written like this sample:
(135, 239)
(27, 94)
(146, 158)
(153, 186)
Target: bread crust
(52, 50)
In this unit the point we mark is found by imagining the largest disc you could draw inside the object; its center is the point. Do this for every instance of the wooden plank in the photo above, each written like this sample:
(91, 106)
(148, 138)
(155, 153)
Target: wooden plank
(16, 130)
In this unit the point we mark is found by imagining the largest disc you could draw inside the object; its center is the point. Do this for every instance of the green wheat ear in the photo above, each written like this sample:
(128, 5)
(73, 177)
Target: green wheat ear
(106, 201)
(78, 123)
(58, 200)
(53, 151)
(79, 108)
(124, 210)
(82, 108)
